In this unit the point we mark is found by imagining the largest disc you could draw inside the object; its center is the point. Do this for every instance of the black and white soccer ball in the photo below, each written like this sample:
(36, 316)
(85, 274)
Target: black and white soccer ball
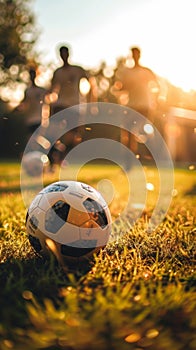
(34, 163)
(70, 218)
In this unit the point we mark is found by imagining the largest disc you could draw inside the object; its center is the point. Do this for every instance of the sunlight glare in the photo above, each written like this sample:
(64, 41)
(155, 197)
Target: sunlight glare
(148, 128)
(84, 86)
(108, 72)
(150, 186)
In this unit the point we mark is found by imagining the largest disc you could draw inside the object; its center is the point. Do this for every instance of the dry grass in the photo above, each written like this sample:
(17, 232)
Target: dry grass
(138, 293)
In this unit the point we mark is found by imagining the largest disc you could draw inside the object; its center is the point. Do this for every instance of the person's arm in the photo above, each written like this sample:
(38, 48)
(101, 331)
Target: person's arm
(23, 106)
(85, 85)
(52, 95)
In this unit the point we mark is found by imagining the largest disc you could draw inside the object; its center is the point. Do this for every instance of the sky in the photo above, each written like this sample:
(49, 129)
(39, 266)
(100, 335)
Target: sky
(104, 30)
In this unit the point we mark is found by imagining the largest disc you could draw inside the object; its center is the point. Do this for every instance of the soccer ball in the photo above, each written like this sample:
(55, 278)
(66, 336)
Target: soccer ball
(69, 218)
(34, 162)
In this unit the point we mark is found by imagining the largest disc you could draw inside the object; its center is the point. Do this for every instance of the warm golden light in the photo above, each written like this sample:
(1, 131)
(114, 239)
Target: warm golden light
(45, 111)
(84, 86)
(104, 84)
(118, 85)
(42, 141)
(51, 98)
(148, 128)
(150, 186)
(124, 99)
(44, 159)
(108, 72)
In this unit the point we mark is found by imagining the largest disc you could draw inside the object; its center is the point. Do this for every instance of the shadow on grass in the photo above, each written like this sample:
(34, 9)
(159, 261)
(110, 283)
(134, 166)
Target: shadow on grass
(10, 189)
(17, 188)
(36, 276)
(191, 191)
(42, 276)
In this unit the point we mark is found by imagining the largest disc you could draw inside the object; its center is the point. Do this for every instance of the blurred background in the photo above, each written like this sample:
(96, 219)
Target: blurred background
(100, 35)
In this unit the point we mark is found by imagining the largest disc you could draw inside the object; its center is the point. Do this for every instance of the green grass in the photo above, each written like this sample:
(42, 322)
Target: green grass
(138, 293)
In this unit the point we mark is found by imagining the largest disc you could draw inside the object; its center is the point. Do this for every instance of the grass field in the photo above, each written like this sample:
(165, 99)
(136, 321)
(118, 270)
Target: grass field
(138, 293)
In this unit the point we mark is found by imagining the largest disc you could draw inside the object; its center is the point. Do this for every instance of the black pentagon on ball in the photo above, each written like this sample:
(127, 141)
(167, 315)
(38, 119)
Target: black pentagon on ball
(98, 212)
(87, 188)
(27, 216)
(55, 188)
(33, 221)
(56, 216)
(35, 243)
(78, 248)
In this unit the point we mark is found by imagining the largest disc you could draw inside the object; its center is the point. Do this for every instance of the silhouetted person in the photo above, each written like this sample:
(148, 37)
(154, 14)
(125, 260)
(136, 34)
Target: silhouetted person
(142, 86)
(32, 103)
(66, 91)
(65, 84)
